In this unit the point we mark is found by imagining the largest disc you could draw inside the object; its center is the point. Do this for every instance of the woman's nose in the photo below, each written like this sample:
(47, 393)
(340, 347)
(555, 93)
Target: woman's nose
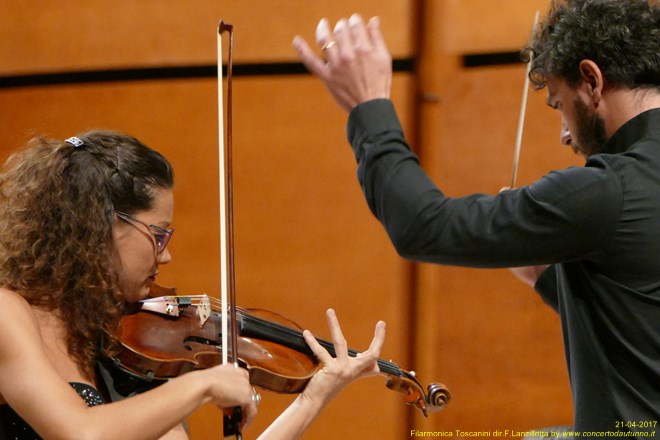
(164, 257)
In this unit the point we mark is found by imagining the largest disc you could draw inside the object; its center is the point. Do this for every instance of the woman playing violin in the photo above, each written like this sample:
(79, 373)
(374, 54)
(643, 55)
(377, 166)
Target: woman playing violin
(84, 226)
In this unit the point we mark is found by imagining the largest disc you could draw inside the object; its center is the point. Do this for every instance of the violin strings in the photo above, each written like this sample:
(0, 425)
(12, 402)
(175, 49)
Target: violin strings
(196, 300)
(384, 366)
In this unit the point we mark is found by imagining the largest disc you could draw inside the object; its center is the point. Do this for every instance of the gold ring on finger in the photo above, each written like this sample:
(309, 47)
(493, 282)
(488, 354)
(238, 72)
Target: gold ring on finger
(328, 45)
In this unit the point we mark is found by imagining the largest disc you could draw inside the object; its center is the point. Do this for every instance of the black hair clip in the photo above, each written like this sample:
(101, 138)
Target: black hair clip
(75, 141)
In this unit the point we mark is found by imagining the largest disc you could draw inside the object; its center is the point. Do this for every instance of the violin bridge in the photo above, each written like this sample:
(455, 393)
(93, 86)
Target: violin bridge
(203, 310)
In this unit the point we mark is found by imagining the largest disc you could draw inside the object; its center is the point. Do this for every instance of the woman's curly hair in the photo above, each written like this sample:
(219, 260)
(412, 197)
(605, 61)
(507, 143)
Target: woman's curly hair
(621, 36)
(58, 206)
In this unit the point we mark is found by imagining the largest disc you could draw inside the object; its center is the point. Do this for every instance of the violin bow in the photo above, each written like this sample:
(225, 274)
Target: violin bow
(227, 272)
(523, 107)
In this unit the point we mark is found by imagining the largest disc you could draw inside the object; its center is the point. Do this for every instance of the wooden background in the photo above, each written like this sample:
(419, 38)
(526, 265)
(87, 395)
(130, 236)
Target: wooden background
(305, 240)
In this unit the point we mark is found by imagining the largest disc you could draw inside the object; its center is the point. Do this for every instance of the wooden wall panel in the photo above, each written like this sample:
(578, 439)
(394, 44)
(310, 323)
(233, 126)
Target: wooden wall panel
(305, 241)
(70, 35)
(483, 26)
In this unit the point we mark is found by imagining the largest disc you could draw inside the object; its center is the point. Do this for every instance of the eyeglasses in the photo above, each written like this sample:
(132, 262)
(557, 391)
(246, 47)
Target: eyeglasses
(162, 235)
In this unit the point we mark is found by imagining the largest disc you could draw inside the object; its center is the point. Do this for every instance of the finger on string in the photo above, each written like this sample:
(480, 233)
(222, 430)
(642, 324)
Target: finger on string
(376, 347)
(311, 61)
(366, 361)
(358, 31)
(341, 347)
(379, 338)
(321, 353)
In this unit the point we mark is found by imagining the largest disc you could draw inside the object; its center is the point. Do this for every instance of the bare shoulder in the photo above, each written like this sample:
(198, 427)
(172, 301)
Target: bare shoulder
(20, 339)
(16, 314)
(19, 326)
(9, 296)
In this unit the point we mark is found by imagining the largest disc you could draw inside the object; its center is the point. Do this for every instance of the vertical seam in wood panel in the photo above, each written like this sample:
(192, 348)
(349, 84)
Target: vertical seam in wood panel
(412, 302)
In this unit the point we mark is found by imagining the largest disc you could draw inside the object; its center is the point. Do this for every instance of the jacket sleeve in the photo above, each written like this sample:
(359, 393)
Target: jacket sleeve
(565, 215)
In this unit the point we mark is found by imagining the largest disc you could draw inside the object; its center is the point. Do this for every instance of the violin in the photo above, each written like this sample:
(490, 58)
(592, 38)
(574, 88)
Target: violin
(172, 335)
(169, 335)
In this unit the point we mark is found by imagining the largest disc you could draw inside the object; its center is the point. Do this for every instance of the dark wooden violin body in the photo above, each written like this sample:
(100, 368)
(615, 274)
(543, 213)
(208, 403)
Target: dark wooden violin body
(187, 337)
(172, 335)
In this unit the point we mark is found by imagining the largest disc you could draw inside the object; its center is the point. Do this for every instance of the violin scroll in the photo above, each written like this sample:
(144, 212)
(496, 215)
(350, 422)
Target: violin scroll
(433, 400)
(438, 396)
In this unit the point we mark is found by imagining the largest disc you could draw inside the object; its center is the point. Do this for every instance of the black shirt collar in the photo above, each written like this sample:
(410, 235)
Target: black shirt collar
(644, 125)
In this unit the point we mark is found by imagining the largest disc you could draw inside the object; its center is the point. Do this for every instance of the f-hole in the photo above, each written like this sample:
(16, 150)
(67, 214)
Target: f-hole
(199, 340)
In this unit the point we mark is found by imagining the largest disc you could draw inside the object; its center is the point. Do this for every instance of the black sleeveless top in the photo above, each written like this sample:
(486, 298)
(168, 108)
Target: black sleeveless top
(13, 427)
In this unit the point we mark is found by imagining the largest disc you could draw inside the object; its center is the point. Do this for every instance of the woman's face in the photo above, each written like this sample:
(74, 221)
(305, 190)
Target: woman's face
(136, 244)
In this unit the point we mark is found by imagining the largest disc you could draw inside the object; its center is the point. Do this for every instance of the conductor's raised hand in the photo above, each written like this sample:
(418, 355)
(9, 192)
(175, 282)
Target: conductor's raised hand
(357, 65)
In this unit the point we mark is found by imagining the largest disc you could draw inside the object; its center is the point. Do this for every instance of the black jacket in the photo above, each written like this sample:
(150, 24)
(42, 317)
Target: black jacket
(598, 226)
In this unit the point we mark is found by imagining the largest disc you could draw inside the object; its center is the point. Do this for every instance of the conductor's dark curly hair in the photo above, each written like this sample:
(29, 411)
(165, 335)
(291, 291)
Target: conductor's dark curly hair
(57, 209)
(621, 36)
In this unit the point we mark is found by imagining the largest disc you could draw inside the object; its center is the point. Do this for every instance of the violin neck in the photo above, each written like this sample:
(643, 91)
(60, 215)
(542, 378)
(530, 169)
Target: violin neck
(258, 328)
